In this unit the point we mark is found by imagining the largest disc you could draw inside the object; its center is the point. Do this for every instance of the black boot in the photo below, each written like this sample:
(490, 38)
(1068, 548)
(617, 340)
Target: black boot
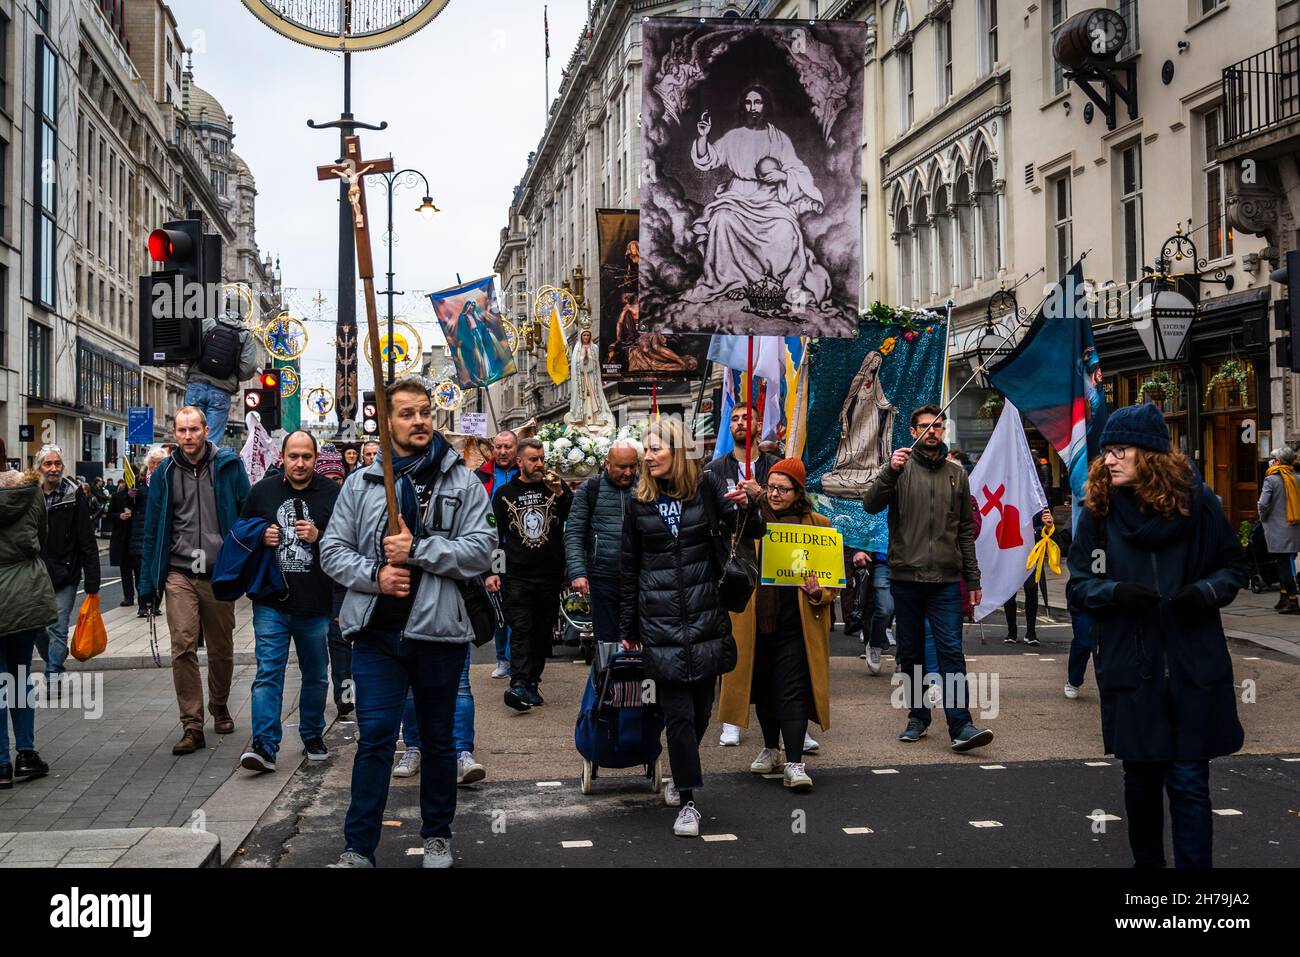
(29, 765)
(1281, 600)
(6, 776)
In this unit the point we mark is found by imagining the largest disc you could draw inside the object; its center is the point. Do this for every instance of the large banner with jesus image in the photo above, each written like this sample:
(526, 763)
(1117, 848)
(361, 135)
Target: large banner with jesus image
(862, 395)
(751, 181)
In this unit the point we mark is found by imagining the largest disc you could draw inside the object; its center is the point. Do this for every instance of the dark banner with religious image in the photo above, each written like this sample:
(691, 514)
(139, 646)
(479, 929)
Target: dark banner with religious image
(751, 183)
(632, 357)
(471, 322)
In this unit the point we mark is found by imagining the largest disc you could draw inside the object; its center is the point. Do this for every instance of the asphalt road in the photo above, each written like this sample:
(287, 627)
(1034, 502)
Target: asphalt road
(1039, 814)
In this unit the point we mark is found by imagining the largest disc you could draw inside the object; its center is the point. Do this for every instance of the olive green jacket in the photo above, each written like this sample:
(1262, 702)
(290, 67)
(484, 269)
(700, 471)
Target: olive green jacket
(28, 596)
(931, 521)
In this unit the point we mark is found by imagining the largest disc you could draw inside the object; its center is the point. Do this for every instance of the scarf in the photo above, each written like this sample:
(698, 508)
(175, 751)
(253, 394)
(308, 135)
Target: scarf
(1290, 482)
(407, 469)
(1151, 533)
(931, 461)
(767, 600)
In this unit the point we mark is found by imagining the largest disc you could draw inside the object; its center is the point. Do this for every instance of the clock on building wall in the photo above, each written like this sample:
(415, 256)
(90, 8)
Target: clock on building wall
(346, 24)
(1106, 32)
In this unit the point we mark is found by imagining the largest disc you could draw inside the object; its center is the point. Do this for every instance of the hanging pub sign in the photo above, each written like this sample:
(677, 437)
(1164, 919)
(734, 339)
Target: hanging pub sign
(751, 185)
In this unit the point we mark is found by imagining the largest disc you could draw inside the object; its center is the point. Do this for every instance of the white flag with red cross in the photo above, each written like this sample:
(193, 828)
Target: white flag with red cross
(1008, 495)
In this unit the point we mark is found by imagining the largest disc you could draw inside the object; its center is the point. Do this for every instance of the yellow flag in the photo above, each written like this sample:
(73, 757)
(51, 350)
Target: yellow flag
(557, 356)
(127, 473)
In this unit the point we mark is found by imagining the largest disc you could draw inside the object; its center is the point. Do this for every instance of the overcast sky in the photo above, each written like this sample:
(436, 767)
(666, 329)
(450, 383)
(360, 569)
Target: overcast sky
(465, 104)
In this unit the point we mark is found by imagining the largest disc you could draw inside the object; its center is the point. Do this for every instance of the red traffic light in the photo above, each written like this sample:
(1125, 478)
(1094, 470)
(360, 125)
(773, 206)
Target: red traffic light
(270, 380)
(169, 245)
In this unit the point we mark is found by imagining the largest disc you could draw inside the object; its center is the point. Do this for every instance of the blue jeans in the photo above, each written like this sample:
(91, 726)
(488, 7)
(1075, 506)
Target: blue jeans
(604, 609)
(15, 653)
(385, 665)
(502, 638)
(884, 610)
(340, 654)
(939, 605)
(1080, 648)
(273, 630)
(931, 655)
(214, 404)
(463, 728)
(1188, 784)
(52, 641)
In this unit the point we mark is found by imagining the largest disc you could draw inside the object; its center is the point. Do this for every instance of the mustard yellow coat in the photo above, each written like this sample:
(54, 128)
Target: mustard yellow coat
(733, 707)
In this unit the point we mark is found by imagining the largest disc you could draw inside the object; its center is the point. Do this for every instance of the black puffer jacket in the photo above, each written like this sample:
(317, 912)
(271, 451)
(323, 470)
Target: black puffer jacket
(669, 588)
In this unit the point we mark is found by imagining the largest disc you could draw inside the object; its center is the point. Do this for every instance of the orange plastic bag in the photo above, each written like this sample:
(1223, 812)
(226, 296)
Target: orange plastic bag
(90, 637)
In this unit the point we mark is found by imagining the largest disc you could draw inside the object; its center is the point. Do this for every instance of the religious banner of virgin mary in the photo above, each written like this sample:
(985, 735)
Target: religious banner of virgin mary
(630, 354)
(471, 321)
(751, 188)
(862, 395)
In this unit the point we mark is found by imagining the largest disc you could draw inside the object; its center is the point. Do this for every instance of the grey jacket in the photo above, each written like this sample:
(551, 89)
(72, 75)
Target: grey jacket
(593, 551)
(250, 360)
(1282, 539)
(456, 544)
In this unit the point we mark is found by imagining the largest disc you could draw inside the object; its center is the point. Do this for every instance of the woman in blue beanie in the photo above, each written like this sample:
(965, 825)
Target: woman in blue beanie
(1154, 558)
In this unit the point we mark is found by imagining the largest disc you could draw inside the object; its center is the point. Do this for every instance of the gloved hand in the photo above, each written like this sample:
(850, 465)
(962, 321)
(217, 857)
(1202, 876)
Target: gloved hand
(152, 604)
(1131, 597)
(1189, 600)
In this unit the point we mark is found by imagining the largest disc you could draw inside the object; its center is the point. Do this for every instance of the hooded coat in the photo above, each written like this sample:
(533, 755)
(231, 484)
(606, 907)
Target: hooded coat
(24, 581)
(1164, 674)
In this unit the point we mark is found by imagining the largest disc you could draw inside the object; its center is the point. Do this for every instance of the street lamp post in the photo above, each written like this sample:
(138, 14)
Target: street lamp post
(394, 181)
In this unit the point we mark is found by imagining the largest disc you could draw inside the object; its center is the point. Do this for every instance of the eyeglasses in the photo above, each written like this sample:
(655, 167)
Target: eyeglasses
(779, 489)
(1119, 451)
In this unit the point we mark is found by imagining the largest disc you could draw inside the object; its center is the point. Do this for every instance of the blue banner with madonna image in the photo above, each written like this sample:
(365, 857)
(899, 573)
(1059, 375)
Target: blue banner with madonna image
(862, 393)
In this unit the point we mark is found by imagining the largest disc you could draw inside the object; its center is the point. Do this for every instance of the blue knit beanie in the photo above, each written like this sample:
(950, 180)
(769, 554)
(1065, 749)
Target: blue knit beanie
(1140, 425)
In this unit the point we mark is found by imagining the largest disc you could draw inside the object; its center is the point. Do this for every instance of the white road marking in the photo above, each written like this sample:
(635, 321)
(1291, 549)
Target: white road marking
(418, 851)
(1291, 759)
(985, 823)
(857, 830)
(993, 767)
(1250, 659)
(884, 770)
(575, 844)
(1227, 811)
(1096, 764)
(1046, 659)
(550, 784)
(1103, 817)
(719, 837)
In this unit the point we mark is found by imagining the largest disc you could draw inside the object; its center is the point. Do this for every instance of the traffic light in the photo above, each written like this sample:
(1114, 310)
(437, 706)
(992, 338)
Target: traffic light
(1287, 313)
(369, 414)
(177, 297)
(269, 404)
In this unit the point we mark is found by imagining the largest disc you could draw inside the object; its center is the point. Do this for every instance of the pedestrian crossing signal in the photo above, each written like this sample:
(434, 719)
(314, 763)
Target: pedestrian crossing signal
(369, 414)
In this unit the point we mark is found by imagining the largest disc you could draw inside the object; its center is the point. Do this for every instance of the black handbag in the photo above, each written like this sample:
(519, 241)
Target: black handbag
(483, 608)
(739, 575)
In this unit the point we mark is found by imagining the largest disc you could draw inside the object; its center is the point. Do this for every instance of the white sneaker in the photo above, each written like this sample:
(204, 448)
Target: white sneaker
(809, 745)
(730, 735)
(437, 852)
(468, 770)
(671, 797)
(1071, 691)
(796, 777)
(768, 761)
(873, 660)
(502, 670)
(409, 765)
(688, 822)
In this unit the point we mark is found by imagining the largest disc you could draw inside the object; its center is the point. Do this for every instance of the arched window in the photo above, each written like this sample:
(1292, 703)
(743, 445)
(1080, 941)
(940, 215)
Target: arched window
(965, 228)
(924, 251)
(903, 240)
(990, 226)
(902, 23)
(943, 239)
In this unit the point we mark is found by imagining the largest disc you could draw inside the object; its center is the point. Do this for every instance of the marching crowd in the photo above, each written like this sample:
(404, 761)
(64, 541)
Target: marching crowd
(664, 548)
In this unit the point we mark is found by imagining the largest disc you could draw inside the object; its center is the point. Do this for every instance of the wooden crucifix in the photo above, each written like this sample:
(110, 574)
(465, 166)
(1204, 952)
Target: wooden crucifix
(353, 169)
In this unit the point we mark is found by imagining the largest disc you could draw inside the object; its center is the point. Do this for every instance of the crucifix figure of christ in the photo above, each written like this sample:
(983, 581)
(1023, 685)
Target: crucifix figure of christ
(353, 169)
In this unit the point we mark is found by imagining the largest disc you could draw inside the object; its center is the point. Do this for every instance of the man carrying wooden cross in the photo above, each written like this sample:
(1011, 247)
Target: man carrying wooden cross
(403, 612)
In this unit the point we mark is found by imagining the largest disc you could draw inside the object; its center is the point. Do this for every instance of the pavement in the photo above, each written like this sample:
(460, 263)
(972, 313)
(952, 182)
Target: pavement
(117, 793)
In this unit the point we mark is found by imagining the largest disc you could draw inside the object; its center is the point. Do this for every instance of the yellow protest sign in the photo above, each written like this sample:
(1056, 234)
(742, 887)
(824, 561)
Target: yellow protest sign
(791, 552)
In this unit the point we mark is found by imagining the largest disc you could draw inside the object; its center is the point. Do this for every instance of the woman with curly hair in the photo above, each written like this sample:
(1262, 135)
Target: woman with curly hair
(1153, 560)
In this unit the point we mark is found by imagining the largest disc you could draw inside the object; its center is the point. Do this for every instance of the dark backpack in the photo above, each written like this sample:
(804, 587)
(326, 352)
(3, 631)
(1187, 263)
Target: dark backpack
(220, 355)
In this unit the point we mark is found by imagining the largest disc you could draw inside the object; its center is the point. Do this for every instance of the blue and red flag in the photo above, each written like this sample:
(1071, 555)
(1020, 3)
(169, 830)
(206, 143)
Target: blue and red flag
(1053, 376)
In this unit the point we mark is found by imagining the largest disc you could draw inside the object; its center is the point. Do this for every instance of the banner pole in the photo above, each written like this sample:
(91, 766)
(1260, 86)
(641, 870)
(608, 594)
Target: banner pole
(749, 406)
